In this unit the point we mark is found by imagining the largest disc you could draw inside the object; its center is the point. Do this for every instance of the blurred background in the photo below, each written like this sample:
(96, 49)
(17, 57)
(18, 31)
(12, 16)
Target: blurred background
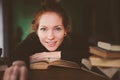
(90, 18)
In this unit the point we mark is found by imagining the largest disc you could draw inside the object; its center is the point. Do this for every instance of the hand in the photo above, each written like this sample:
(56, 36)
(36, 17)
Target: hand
(17, 71)
(45, 55)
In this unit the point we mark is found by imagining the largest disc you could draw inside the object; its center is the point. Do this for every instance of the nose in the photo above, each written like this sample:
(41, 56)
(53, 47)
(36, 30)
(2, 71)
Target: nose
(51, 35)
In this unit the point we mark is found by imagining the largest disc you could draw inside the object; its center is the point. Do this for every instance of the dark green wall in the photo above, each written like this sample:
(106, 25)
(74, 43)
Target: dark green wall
(24, 10)
(23, 13)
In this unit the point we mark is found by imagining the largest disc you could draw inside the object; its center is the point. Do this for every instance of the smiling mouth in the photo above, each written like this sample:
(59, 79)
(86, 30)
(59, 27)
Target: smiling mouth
(51, 44)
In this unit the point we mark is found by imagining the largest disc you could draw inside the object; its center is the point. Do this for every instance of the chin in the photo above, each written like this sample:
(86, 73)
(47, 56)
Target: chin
(51, 49)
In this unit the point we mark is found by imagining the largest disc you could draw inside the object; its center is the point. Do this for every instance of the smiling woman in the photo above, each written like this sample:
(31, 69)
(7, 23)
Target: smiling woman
(51, 38)
(51, 31)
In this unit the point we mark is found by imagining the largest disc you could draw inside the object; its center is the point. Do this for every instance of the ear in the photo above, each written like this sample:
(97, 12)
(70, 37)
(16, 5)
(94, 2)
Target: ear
(65, 34)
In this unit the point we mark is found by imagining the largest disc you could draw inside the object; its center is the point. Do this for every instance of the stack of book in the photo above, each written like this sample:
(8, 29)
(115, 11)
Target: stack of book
(105, 55)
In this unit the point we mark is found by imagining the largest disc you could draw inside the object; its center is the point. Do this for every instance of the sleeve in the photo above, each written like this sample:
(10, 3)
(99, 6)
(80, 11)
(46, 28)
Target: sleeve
(23, 50)
(78, 49)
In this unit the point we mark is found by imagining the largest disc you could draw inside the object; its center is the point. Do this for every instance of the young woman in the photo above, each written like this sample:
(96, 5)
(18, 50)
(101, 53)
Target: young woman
(51, 39)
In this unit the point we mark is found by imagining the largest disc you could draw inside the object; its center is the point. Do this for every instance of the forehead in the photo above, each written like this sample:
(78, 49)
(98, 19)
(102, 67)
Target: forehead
(48, 13)
(50, 18)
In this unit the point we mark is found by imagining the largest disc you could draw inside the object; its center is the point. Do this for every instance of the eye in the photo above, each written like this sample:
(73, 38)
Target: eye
(43, 29)
(58, 28)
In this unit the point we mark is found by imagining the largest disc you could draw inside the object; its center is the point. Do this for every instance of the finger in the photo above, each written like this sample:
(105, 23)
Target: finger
(15, 73)
(7, 73)
(23, 73)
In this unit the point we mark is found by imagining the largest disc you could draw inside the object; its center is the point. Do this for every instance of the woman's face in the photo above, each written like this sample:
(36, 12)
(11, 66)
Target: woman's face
(51, 31)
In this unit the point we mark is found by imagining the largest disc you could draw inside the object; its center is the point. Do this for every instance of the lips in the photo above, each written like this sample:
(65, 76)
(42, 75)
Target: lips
(51, 44)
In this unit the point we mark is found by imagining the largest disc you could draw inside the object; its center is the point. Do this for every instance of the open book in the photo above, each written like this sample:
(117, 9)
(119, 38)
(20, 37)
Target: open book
(46, 63)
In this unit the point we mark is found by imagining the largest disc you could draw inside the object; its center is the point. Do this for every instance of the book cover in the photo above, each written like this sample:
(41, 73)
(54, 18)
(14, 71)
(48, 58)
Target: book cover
(104, 53)
(58, 63)
(104, 62)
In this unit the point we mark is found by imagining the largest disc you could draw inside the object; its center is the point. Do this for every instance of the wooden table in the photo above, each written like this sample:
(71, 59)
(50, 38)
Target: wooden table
(57, 73)
(61, 74)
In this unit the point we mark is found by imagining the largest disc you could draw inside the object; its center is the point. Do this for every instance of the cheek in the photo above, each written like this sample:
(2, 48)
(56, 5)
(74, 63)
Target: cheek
(41, 36)
(60, 37)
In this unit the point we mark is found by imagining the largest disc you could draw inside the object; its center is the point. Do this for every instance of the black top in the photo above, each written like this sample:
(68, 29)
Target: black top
(72, 48)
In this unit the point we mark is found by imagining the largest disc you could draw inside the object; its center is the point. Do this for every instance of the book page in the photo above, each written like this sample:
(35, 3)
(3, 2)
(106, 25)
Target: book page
(64, 63)
(39, 65)
(58, 63)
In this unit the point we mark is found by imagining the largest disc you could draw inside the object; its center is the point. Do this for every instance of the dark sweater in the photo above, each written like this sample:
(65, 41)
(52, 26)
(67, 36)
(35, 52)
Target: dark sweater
(72, 48)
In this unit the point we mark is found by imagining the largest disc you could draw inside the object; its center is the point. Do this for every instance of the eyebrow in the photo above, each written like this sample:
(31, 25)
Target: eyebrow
(54, 26)
(58, 25)
(42, 26)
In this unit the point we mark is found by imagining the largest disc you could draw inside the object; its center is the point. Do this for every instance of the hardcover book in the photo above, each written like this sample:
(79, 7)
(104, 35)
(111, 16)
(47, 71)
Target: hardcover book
(104, 53)
(108, 46)
(104, 62)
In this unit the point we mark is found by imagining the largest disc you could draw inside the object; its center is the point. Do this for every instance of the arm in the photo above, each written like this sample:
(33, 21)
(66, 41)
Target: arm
(78, 49)
(45, 56)
(25, 49)
(20, 59)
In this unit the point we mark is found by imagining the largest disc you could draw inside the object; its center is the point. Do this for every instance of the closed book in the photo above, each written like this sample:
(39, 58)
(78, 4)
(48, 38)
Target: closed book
(104, 53)
(104, 62)
(109, 46)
